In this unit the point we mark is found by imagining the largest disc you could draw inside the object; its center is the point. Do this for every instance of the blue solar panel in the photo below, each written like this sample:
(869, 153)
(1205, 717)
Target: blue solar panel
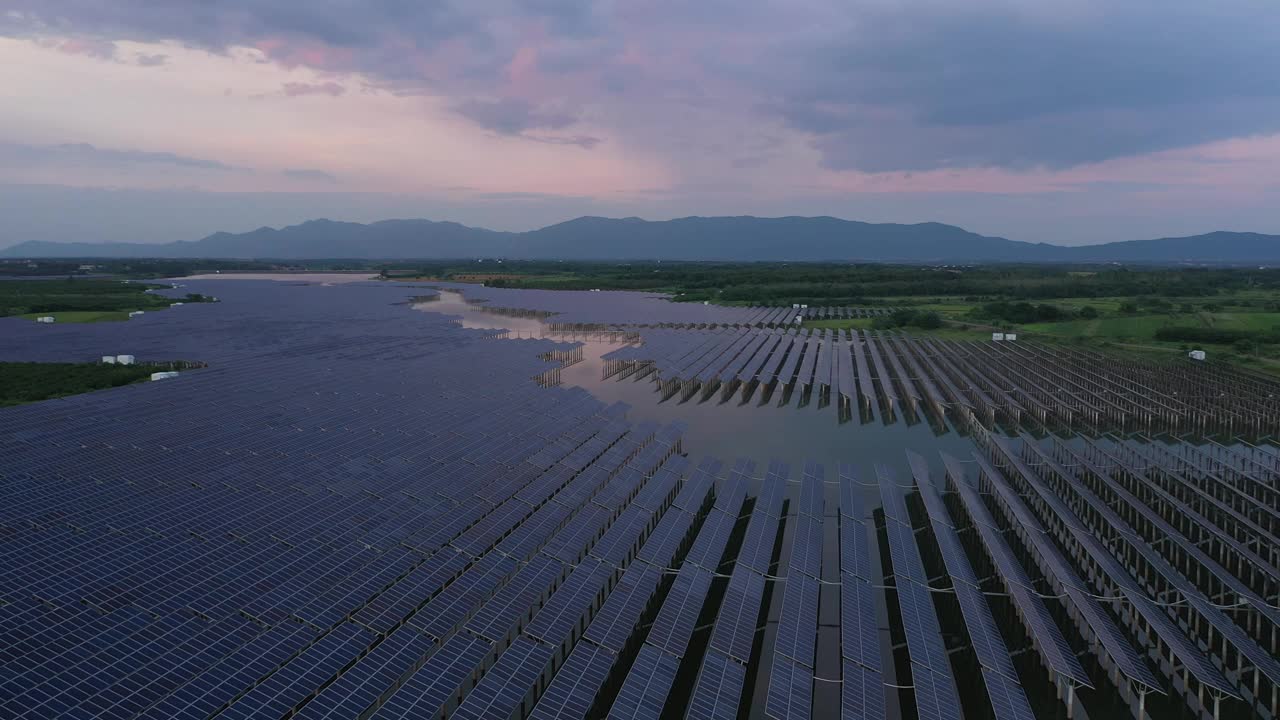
(708, 547)
(798, 623)
(665, 540)
(509, 683)
(360, 687)
(718, 689)
(935, 694)
(790, 690)
(648, 683)
(920, 625)
(806, 546)
(567, 608)
(292, 684)
(855, 556)
(673, 627)
(1008, 701)
(756, 552)
(435, 687)
(518, 600)
(617, 619)
(735, 627)
(861, 693)
(859, 631)
(573, 690)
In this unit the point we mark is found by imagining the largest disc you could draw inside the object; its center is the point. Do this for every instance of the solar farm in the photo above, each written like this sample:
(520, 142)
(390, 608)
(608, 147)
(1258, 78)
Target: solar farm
(358, 507)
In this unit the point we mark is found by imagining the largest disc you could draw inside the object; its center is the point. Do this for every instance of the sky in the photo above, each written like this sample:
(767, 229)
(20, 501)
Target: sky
(1066, 122)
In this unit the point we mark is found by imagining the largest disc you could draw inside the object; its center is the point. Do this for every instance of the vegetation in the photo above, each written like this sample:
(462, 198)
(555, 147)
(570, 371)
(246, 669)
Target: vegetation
(80, 299)
(28, 382)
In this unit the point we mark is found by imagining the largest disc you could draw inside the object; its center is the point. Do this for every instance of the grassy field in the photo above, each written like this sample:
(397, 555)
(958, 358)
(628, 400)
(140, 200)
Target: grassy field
(840, 324)
(84, 316)
(81, 295)
(29, 382)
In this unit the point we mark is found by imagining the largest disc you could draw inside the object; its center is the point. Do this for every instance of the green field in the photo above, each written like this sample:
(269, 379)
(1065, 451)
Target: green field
(29, 382)
(840, 324)
(83, 316)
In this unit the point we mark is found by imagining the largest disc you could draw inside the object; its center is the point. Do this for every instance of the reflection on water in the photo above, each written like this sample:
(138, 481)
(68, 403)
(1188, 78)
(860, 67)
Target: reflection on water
(728, 430)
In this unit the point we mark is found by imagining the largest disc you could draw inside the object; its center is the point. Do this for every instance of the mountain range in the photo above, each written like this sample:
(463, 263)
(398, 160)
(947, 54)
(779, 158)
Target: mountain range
(691, 238)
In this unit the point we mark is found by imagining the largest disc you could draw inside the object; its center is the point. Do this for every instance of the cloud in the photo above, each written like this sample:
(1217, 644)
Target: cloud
(309, 174)
(16, 155)
(586, 142)
(91, 47)
(150, 60)
(874, 86)
(298, 89)
(512, 116)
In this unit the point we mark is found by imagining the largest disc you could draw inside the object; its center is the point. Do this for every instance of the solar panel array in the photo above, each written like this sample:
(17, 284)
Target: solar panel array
(383, 516)
(1017, 382)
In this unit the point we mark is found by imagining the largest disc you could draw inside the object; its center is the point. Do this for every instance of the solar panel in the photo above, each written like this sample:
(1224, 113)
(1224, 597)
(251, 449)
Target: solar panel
(662, 544)
(617, 619)
(648, 683)
(435, 686)
(811, 490)
(572, 691)
(790, 690)
(798, 623)
(854, 548)
(568, 606)
(920, 625)
(735, 627)
(859, 629)
(935, 694)
(861, 693)
(756, 552)
(708, 547)
(518, 600)
(292, 684)
(1008, 701)
(806, 547)
(509, 683)
(718, 689)
(674, 624)
(359, 688)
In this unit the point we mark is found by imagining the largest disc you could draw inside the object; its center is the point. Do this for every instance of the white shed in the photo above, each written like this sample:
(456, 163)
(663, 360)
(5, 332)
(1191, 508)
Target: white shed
(164, 375)
(124, 359)
(45, 319)
(109, 359)
(135, 313)
(997, 336)
(1010, 336)
(1196, 355)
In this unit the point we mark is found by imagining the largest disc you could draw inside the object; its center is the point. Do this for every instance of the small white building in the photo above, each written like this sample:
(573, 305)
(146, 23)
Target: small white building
(109, 359)
(135, 313)
(1010, 336)
(164, 375)
(799, 319)
(997, 336)
(45, 319)
(1196, 355)
(174, 304)
(795, 306)
(804, 307)
(124, 359)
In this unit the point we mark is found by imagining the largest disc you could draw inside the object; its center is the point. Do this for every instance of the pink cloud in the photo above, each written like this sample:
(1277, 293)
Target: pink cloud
(101, 49)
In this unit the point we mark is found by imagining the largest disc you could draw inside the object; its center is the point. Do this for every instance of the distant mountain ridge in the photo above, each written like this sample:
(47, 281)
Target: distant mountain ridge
(690, 238)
